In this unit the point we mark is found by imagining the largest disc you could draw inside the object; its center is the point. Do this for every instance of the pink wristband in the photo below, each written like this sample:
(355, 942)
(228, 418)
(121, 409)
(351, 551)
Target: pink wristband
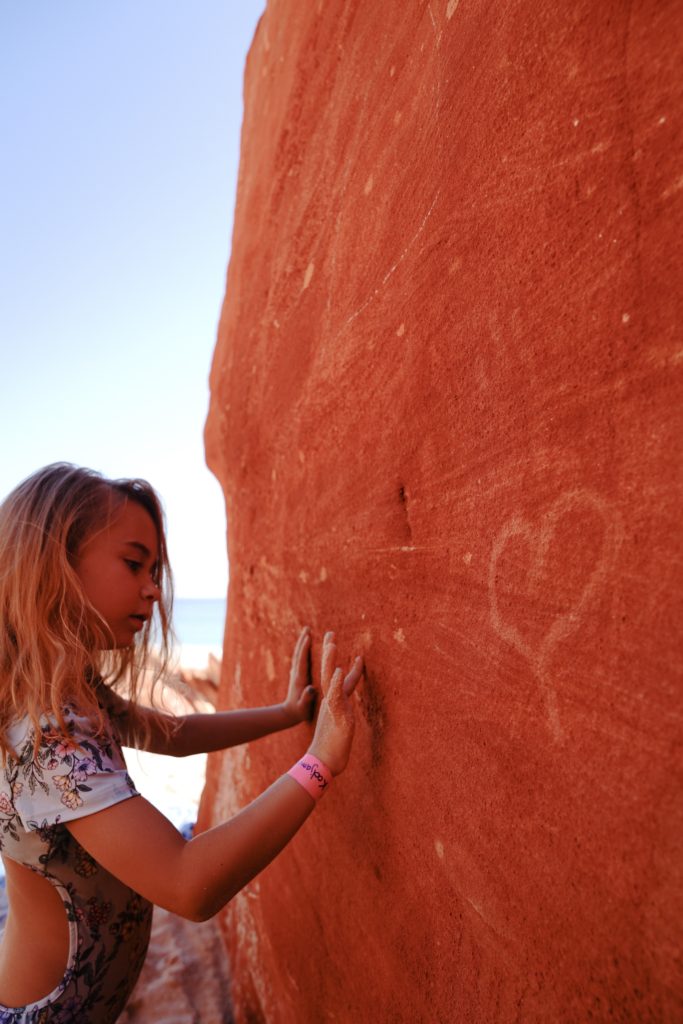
(312, 774)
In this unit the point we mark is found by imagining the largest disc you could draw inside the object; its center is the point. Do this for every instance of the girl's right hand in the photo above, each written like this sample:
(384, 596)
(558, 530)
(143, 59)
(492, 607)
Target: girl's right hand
(334, 729)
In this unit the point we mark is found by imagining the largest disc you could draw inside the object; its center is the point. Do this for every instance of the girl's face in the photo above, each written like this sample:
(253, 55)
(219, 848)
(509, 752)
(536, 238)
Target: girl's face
(117, 568)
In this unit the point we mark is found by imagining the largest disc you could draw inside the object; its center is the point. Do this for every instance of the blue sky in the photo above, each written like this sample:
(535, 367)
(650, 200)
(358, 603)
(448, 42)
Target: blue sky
(120, 126)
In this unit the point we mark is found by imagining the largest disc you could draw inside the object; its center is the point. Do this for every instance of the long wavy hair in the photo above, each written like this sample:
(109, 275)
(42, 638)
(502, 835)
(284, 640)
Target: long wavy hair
(55, 648)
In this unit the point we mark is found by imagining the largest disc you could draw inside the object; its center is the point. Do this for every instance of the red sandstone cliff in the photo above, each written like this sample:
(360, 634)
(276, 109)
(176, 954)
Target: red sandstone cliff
(446, 416)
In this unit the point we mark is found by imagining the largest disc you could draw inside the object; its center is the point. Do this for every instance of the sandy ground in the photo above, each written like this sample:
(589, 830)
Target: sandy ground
(184, 979)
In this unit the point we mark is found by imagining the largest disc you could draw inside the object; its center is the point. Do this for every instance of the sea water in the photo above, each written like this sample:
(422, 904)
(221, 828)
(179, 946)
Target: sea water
(199, 621)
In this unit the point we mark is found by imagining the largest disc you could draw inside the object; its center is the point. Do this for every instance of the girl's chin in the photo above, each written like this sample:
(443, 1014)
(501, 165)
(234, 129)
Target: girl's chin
(125, 637)
(119, 644)
(129, 642)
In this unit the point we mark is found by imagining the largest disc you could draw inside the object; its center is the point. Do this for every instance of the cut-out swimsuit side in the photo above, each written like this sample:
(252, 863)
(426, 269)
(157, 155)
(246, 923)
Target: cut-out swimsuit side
(109, 923)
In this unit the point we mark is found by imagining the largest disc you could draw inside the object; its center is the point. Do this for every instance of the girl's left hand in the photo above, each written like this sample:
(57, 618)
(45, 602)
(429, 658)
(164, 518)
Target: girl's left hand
(300, 702)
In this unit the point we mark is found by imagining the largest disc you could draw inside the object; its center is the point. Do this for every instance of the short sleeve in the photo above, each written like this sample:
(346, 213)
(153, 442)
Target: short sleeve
(68, 777)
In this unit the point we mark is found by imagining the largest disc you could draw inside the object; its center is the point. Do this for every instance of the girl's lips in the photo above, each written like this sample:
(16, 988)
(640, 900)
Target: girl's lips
(138, 620)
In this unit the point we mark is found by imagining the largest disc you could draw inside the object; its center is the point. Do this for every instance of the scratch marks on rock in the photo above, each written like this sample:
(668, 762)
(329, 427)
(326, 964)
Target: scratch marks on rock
(436, 31)
(403, 499)
(537, 538)
(392, 270)
(673, 189)
(308, 276)
(374, 713)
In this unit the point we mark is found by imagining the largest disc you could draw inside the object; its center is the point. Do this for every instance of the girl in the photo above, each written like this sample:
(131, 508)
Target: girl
(83, 566)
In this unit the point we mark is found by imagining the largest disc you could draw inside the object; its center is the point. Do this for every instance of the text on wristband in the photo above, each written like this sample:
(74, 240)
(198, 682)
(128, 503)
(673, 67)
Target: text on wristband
(312, 768)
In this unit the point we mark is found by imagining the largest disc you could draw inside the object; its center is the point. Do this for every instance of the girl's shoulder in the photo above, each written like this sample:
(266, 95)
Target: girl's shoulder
(81, 729)
(65, 771)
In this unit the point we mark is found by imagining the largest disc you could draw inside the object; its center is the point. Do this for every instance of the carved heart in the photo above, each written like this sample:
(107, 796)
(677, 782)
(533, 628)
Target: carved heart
(538, 539)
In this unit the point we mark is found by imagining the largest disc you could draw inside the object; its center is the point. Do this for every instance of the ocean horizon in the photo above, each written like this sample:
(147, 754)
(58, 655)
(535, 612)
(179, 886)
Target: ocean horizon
(199, 621)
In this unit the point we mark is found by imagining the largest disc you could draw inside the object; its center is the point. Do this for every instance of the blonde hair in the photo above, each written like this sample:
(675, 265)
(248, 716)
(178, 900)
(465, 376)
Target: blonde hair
(55, 648)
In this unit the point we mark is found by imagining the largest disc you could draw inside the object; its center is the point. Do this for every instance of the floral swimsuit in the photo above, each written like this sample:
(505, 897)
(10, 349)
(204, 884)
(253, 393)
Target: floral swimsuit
(109, 923)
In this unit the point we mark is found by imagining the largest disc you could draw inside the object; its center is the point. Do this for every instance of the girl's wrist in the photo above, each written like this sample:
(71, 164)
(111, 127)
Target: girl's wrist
(314, 751)
(312, 774)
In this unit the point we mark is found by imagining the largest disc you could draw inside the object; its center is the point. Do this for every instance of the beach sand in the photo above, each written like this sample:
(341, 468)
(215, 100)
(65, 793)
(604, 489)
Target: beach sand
(184, 978)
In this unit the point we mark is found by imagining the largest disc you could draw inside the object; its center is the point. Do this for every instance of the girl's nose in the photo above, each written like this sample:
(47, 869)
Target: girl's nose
(150, 589)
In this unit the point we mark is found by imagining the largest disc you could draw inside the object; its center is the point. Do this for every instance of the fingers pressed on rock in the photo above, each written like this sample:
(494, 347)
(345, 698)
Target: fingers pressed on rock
(328, 661)
(302, 651)
(353, 676)
(335, 691)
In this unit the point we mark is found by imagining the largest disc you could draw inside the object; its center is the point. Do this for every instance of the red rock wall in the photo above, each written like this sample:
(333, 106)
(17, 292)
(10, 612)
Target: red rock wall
(446, 416)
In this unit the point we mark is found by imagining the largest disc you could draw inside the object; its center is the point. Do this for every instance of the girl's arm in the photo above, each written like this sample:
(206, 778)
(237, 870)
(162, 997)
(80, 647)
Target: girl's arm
(203, 733)
(195, 879)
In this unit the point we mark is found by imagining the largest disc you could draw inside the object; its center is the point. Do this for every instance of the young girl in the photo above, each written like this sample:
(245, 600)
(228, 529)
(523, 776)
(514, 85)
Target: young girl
(83, 566)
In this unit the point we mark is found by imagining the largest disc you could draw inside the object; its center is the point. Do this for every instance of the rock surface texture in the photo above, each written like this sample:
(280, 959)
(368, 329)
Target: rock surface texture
(446, 417)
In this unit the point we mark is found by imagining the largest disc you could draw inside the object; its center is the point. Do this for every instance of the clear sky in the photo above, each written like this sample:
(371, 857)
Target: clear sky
(120, 125)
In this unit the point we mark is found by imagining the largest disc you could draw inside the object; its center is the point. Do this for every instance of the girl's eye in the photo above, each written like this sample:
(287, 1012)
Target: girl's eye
(133, 564)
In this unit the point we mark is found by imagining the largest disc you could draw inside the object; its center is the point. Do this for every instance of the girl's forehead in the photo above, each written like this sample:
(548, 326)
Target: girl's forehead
(133, 523)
